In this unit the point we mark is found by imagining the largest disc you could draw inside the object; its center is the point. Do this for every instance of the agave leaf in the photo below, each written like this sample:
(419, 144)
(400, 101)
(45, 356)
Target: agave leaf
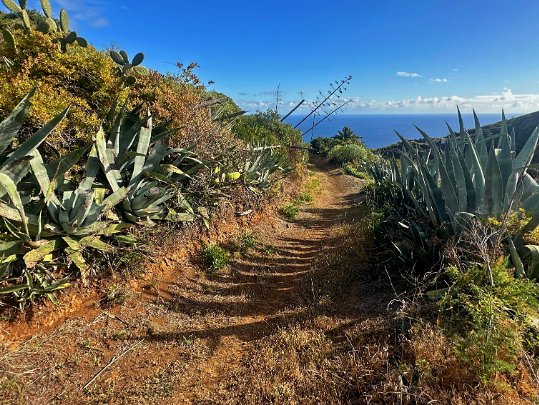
(462, 129)
(477, 175)
(471, 195)
(515, 258)
(12, 124)
(525, 156)
(14, 289)
(449, 164)
(145, 134)
(113, 229)
(111, 173)
(35, 140)
(511, 191)
(493, 185)
(480, 143)
(460, 181)
(505, 160)
(448, 190)
(159, 136)
(531, 253)
(15, 198)
(95, 242)
(91, 170)
(10, 248)
(42, 177)
(35, 256)
(59, 167)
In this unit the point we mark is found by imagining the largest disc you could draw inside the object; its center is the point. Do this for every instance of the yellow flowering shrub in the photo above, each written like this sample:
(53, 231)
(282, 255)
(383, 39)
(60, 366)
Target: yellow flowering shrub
(82, 78)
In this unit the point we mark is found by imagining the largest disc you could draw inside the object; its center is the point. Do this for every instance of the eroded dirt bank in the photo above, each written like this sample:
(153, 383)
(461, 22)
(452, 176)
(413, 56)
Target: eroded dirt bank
(177, 338)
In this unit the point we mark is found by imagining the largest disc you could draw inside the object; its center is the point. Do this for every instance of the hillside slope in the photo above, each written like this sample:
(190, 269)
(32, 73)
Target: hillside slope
(523, 126)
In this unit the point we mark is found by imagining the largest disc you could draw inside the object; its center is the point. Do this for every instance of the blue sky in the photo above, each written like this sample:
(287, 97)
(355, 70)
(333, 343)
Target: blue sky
(422, 56)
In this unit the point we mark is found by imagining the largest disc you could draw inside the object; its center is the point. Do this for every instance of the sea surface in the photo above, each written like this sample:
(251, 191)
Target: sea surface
(377, 130)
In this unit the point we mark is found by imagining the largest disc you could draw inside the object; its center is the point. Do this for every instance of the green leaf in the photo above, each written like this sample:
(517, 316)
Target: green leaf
(145, 135)
(505, 160)
(12, 124)
(116, 57)
(111, 174)
(82, 42)
(493, 185)
(64, 21)
(10, 248)
(13, 289)
(9, 39)
(125, 57)
(26, 20)
(36, 139)
(12, 6)
(46, 7)
(530, 253)
(37, 255)
(137, 59)
(525, 156)
(15, 198)
(95, 242)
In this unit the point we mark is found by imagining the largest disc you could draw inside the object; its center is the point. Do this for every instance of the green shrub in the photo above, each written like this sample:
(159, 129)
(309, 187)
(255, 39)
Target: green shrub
(353, 171)
(265, 128)
(215, 257)
(353, 152)
(324, 145)
(290, 210)
(305, 197)
(491, 317)
(246, 241)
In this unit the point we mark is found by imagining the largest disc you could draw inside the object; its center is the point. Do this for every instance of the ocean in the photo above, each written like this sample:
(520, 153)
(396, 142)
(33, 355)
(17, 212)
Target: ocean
(377, 130)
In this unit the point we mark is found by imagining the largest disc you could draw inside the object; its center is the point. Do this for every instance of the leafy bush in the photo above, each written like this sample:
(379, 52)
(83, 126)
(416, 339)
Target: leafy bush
(491, 317)
(215, 257)
(349, 153)
(353, 171)
(265, 128)
(324, 145)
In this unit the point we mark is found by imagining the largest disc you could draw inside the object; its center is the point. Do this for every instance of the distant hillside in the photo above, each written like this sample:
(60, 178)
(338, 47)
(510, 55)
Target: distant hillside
(523, 125)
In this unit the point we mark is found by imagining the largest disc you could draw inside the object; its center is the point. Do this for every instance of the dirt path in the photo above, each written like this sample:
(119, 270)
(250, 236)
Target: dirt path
(177, 337)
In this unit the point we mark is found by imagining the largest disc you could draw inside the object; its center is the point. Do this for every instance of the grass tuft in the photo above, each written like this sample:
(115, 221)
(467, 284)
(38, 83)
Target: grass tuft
(215, 257)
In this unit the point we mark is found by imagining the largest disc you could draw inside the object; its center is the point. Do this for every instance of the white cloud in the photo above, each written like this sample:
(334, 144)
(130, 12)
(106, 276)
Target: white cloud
(442, 80)
(483, 103)
(408, 74)
(486, 103)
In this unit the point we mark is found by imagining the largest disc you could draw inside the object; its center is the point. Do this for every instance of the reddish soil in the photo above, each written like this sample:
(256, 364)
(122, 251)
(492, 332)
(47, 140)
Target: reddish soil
(180, 331)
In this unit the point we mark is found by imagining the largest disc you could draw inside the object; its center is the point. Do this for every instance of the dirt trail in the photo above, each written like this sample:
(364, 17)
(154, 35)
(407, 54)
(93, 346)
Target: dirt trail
(177, 337)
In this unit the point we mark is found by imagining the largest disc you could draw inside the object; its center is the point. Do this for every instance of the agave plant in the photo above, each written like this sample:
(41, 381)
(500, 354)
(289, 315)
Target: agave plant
(14, 160)
(466, 178)
(134, 156)
(262, 165)
(480, 177)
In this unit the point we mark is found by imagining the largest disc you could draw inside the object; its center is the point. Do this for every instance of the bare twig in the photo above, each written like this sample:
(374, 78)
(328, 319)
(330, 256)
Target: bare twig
(111, 362)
